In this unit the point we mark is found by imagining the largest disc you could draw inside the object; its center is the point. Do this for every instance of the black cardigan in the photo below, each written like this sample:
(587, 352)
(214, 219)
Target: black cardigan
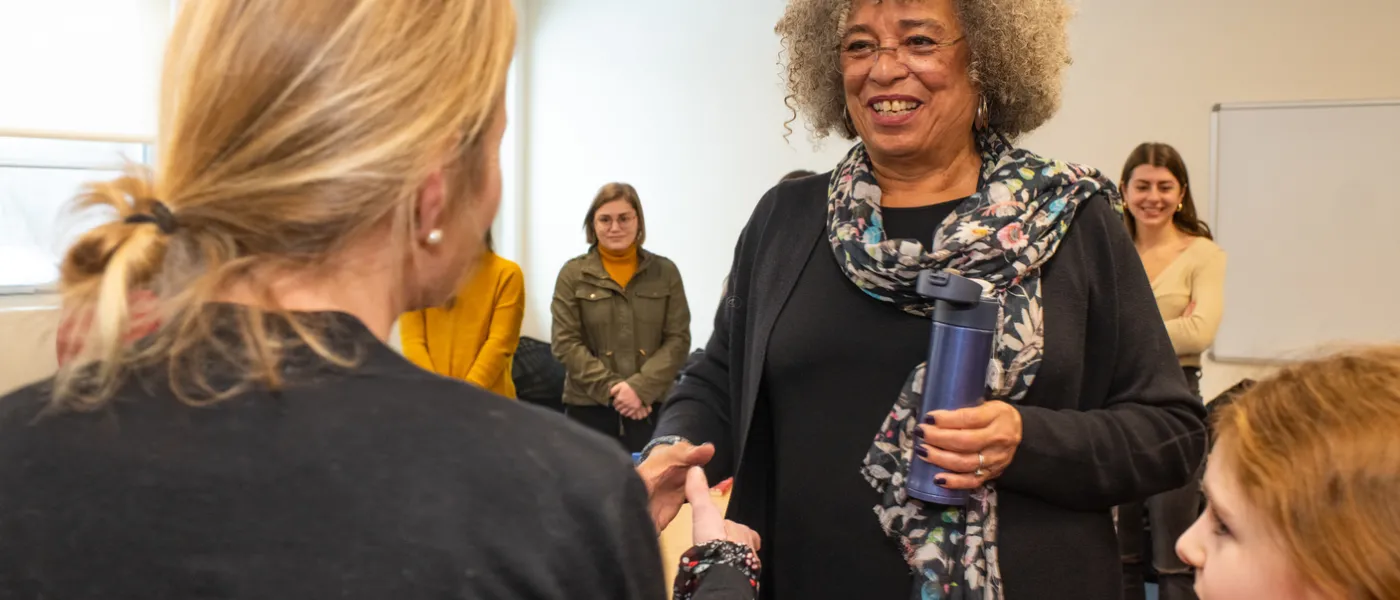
(1109, 420)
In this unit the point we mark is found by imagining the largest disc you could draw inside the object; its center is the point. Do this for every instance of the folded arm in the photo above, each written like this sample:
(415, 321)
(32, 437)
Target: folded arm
(1195, 332)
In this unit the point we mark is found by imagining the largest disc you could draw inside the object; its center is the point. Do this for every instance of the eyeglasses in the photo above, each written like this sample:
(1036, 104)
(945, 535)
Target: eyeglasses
(606, 221)
(916, 53)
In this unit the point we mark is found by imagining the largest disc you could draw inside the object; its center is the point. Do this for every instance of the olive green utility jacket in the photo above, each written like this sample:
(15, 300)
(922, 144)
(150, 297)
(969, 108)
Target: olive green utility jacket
(605, 334)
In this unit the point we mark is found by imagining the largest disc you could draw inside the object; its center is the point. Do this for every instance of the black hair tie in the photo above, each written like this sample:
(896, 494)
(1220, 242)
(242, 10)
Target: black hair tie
(160, 216)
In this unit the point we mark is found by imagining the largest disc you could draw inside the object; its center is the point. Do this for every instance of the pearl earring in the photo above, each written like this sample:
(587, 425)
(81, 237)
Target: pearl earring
(434, 237)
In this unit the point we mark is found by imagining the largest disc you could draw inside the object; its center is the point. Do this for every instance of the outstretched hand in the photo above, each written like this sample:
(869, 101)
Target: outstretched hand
(664, 472)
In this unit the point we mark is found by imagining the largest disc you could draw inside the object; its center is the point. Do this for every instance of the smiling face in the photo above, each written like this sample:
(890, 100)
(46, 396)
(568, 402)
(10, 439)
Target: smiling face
(904, 67)
(1152, 195)
(1235, 553)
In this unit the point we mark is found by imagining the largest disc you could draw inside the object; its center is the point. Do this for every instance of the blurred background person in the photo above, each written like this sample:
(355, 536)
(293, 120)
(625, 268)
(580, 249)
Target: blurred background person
(1187, 271)
(474, 336)
(326, 166)
(1301, 486)
(807, 388)
(621, 324)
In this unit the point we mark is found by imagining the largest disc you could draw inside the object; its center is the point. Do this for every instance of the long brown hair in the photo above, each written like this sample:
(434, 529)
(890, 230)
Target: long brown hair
(1158, 154)
(609, 193)
(1315, 454)
(288, 132)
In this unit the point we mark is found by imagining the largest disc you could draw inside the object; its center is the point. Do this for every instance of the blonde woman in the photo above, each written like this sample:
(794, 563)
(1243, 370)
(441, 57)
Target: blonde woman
(474, 335)
(326, 166)
(1301, 486)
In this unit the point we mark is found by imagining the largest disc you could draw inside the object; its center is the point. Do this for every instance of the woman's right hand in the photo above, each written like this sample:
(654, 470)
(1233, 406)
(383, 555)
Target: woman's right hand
(707, 523)
(626, 401)
(665, 471)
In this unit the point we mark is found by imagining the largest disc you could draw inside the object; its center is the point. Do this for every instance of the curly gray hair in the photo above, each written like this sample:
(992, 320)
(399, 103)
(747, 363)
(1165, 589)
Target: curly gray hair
(1020, 49)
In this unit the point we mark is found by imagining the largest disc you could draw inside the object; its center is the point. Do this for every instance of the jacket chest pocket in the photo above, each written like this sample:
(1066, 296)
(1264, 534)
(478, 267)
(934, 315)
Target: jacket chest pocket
(649, 308)
(596, 312)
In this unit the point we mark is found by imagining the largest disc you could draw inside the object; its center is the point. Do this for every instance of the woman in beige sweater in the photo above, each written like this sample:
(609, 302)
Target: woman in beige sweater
(1187, 271)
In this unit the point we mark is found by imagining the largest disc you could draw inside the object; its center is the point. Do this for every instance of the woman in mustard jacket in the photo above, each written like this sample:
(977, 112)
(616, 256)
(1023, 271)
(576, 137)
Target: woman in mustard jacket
(474, 336)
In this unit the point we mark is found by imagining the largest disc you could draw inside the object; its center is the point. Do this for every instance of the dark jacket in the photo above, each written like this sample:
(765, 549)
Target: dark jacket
(380, 481)
(605, 334)
(1108, 420)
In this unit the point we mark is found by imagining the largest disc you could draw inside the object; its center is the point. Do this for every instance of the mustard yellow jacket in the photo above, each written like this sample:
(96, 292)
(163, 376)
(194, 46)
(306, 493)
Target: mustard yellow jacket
(474, 338)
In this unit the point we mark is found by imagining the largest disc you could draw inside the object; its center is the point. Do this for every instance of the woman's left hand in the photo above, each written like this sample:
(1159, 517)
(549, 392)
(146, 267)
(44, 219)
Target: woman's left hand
(954, 440)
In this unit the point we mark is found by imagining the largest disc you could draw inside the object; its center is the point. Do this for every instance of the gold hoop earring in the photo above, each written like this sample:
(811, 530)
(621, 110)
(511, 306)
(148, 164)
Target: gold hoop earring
(1180, 206)
(983, 118)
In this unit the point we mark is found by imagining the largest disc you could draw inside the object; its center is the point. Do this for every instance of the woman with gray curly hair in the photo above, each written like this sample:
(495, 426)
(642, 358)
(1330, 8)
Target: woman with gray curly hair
(809, 388)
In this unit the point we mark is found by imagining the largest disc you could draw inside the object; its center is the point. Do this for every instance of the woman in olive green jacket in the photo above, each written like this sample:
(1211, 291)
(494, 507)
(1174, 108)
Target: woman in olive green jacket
(621, 322)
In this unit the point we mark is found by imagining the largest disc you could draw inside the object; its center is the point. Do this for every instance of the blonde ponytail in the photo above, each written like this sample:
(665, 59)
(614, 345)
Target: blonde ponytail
(289, 131)
(98, 276)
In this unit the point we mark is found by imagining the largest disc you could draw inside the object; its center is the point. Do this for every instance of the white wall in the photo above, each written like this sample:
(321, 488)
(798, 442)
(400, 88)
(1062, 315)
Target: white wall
(683, 99)
(89, 66)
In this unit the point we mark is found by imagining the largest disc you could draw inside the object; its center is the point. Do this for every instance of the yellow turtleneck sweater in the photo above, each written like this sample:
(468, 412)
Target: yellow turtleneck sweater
(621, 266)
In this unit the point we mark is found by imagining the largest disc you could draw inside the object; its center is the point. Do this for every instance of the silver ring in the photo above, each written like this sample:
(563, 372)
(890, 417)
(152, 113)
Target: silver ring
(981, 462)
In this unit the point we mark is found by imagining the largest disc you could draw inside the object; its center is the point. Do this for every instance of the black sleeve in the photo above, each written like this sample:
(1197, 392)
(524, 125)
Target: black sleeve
(1147, 434)
(700, 407)
(724, 583)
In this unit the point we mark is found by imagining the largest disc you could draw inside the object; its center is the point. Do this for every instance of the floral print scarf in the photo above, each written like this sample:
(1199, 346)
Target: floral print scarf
(1001, 236)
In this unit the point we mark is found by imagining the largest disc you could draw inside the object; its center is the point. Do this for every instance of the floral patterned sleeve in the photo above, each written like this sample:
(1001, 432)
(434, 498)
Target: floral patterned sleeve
(719, 554)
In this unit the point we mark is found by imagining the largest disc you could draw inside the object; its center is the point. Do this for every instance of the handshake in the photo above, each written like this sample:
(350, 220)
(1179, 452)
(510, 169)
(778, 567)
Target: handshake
(673, 476)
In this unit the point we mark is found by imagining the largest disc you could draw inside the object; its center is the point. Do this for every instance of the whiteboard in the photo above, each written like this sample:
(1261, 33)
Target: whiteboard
(1307, 206)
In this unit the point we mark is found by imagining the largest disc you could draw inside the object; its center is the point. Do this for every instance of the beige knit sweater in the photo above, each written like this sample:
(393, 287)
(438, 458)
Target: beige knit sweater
(1196, 276)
